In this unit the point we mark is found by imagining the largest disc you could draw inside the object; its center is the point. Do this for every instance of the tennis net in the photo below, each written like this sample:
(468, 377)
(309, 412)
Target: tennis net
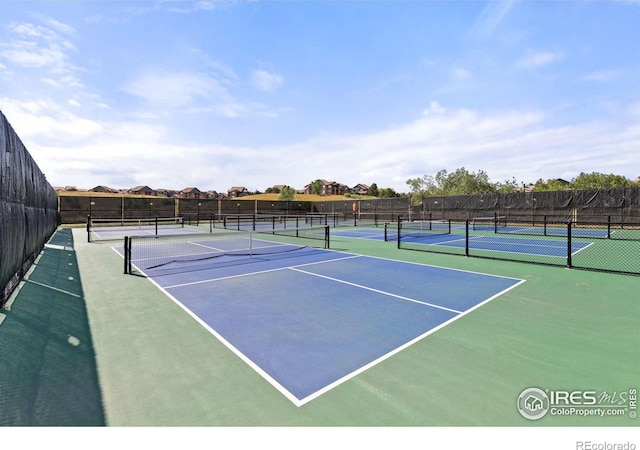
(144, 253)
(491, 223)
(100, 229)
(416, 229)
(255, 222)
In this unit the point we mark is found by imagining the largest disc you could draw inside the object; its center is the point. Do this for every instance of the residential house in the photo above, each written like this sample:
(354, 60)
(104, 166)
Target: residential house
(141, 190)
(360, 189)
(329, 188)
(237, 191)
(105, 189)
(191, 192)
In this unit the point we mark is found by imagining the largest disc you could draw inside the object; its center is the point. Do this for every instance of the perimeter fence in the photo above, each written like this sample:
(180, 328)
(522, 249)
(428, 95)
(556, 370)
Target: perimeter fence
(606, 246)
(28, 210)
(585, 206)
(594, 205)
(612, 217)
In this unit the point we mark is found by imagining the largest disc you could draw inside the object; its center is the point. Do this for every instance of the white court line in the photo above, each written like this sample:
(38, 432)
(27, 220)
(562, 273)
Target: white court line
(377, 291)
(210, 280)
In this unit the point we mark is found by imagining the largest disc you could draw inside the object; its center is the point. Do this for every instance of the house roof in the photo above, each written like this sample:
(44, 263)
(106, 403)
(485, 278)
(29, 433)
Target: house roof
(141, 188)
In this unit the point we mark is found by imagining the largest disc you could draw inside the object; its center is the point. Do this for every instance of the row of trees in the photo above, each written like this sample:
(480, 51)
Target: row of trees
(463, 182)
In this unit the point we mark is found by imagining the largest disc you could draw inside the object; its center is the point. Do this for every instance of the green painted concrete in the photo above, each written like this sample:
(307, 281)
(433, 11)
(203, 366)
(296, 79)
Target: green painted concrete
(560, 330)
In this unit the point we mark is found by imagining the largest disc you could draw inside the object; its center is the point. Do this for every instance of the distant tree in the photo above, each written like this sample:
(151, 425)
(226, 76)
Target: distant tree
(420, 186)
(508, 187)
(596, 180)
(287, 193)
(387, 193)
(317, 187)
(464, 182)
(550, 185)
(373, 190)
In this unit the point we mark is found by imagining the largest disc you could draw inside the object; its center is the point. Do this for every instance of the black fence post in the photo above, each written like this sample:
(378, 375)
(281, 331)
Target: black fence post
(127, 255)
(466, 237)
(569, 262)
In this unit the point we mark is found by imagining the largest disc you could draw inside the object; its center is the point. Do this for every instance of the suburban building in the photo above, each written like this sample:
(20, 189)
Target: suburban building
(237, 191)
(104, 189)
(329, 188)
(142, 190)
(191, 192)
(360, 188)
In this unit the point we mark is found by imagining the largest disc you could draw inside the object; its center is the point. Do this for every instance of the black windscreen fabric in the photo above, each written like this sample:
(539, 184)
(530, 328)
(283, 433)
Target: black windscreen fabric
(28, 209)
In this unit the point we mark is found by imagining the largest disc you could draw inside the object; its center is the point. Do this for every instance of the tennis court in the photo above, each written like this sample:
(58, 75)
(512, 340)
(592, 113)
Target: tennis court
(307, 319)
(506, 244)
(451, 235)
(361, 334)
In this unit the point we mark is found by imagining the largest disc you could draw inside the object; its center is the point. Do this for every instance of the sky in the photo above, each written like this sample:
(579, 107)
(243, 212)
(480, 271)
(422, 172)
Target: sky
(217, 94)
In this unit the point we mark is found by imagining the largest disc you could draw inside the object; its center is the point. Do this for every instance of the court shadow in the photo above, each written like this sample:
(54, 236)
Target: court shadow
(48, 374)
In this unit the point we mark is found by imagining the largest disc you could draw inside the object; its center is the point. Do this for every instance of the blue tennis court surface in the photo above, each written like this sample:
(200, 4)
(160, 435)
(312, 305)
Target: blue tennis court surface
(505, 241)
(361, 233)
(510, 244)
(315, 318)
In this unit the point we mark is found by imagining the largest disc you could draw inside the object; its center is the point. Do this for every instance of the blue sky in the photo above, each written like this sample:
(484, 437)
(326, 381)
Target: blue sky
(174, 94)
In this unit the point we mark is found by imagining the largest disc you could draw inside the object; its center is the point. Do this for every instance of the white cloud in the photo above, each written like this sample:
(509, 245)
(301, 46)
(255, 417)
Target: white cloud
(43, 48)
(42, 121)
(492, 15)
(175, 88)
(76, 150)
(265, 81)
(535, 59)
(195, 93)
(461, 74)
(602, 76)
(36, 44)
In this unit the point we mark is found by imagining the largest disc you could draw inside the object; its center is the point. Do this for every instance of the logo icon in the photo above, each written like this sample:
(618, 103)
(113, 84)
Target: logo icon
(533, 403)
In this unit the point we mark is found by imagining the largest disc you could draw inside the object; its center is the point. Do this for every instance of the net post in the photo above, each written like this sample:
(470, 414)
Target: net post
(466, 238)
(326, 234)
(569, 262)
(127, 255)
(399, 227)
(608, 227)
(495, 223)
(545, 224)
(156, 223)
(89, 228)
